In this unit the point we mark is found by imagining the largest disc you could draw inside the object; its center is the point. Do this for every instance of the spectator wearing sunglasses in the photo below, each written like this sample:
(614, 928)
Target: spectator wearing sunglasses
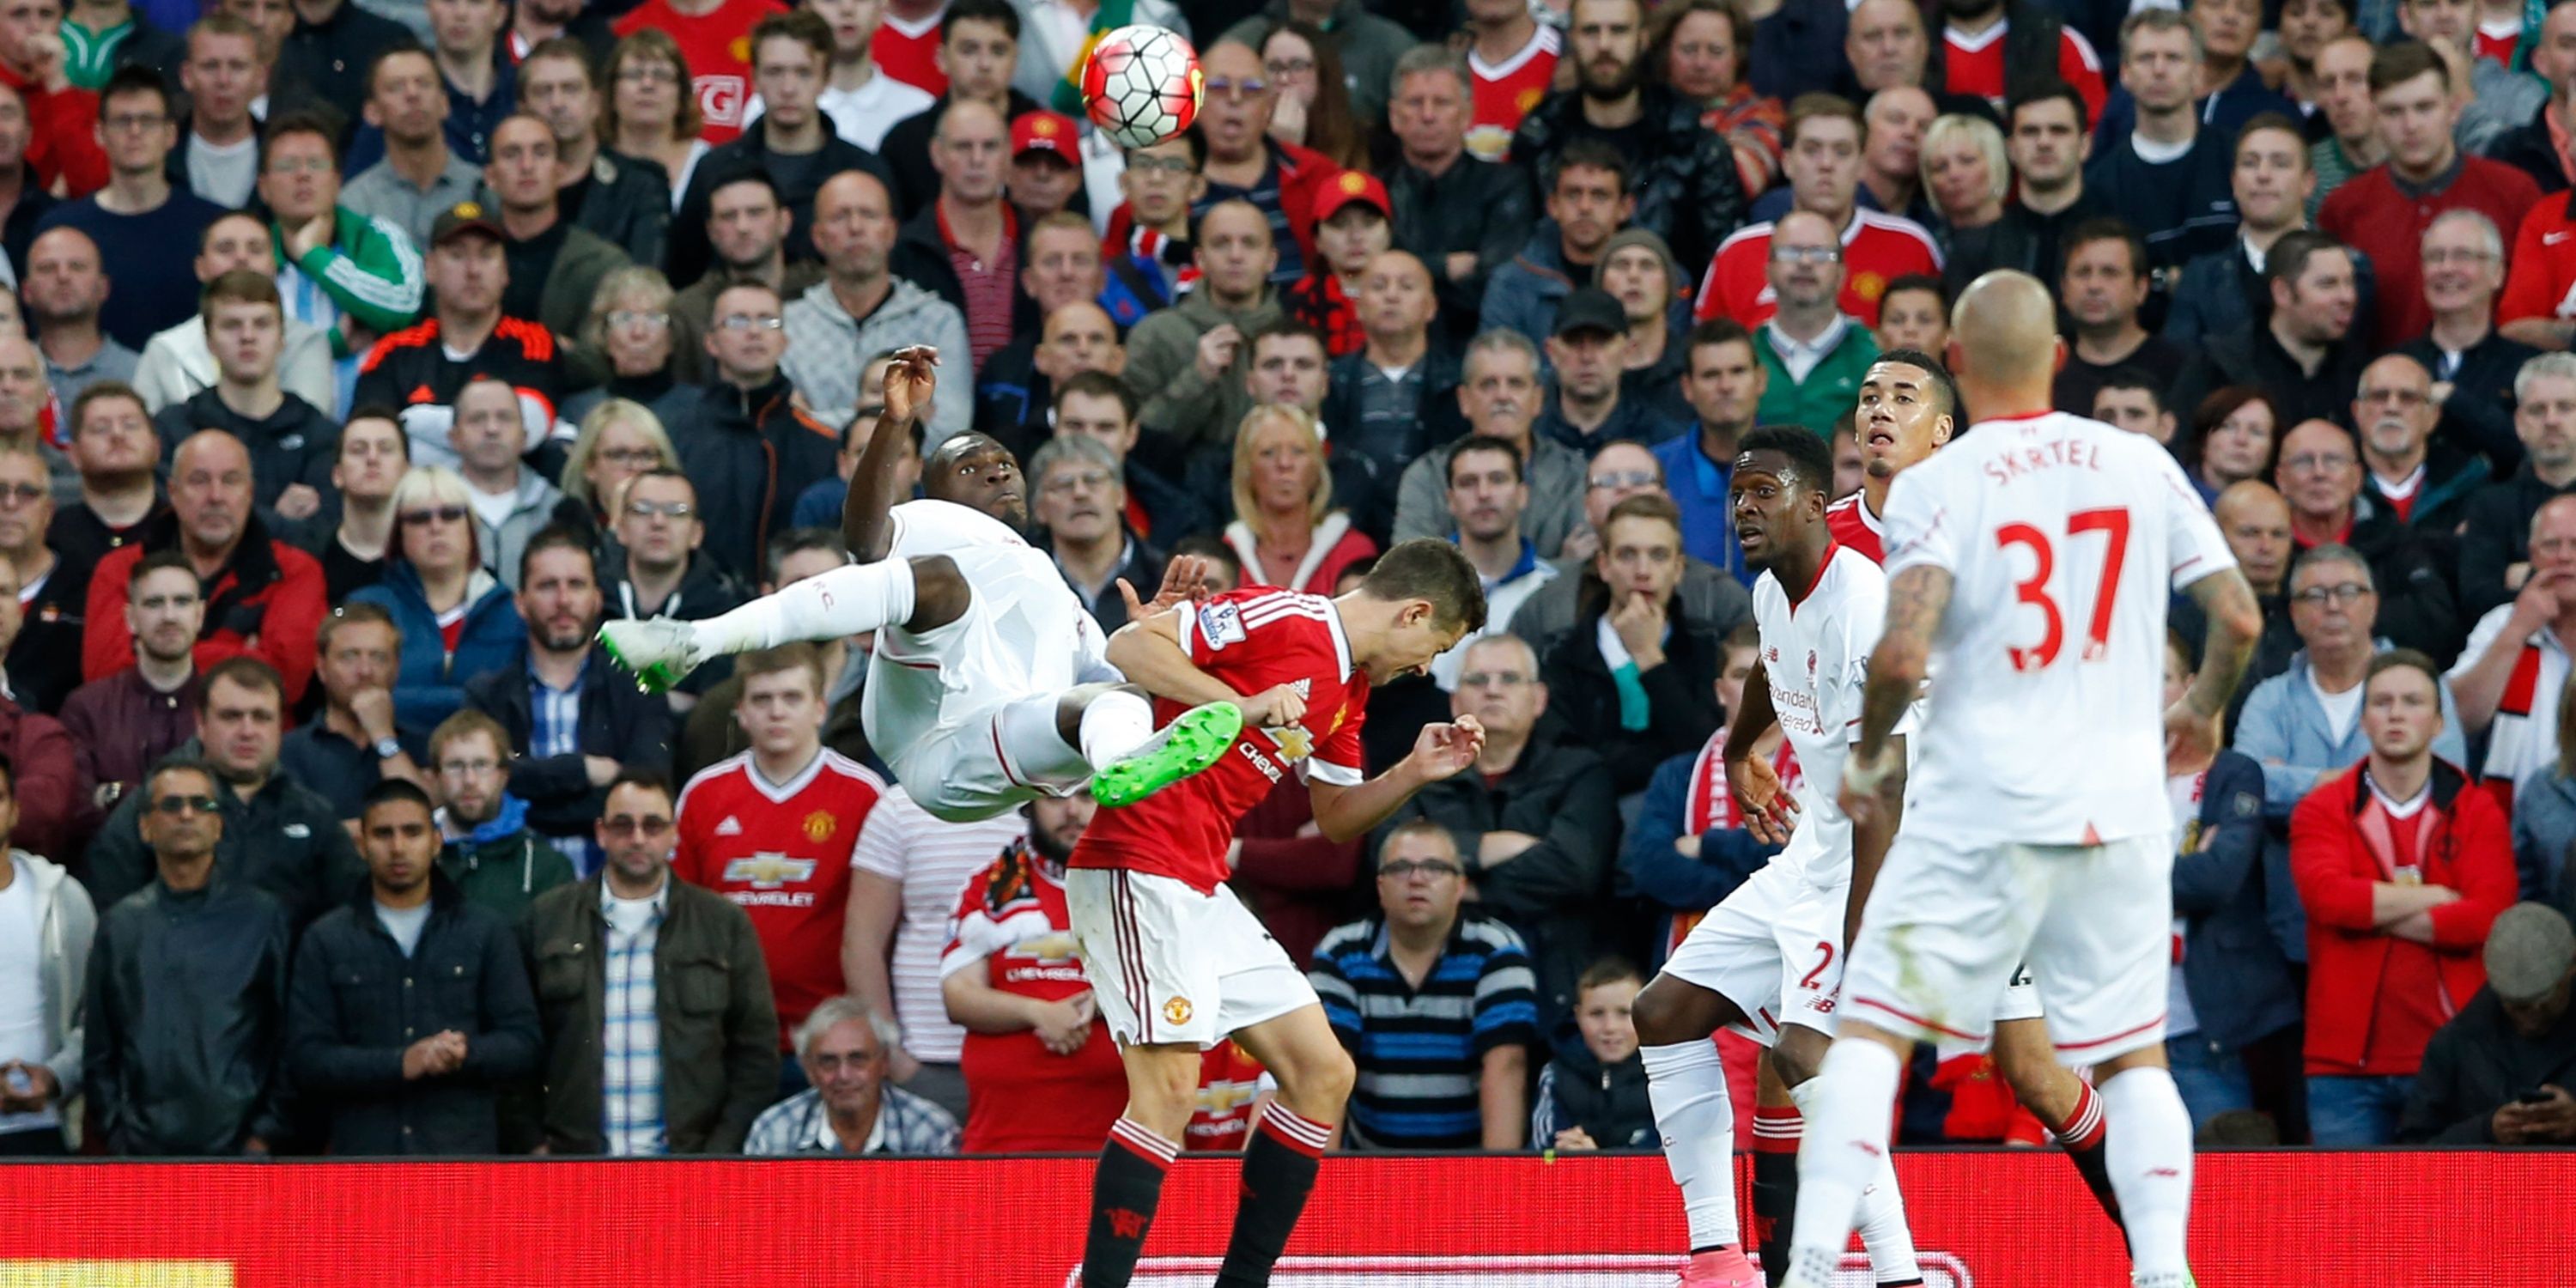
(623, 1075)
(455, 619)
(186, 1005)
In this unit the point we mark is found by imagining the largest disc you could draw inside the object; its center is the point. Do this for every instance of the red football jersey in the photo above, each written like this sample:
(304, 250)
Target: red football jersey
(2542, 280)
(717, 47)
(1877, 249)
(1976, 65)
(782, 851)
(2498, 40)
(907, 50)
(1229, 1083)
(1252, 639)
(1853, 525)
(1506, 91)
(1011, 923)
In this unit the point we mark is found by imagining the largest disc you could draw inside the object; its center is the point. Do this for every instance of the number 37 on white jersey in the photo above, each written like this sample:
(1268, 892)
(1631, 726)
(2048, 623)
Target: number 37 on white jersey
(2065, 538)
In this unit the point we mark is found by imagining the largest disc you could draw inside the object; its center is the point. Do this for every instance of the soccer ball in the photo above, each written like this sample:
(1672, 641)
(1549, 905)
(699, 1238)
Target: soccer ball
(1141, 85)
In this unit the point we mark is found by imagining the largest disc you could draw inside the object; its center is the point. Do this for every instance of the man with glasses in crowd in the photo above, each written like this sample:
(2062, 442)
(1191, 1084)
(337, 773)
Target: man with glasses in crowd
(485, 846)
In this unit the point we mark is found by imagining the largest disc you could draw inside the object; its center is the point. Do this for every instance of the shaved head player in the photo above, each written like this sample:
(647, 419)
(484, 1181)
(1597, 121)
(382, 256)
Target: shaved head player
(2031, 562)
(972, 696)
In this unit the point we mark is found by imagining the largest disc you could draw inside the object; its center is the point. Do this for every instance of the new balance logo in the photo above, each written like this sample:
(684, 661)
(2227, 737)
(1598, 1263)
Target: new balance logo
(730, 827)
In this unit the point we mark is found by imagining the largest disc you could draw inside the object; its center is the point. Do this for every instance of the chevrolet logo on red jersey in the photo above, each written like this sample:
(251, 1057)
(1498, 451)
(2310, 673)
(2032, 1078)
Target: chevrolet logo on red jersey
(768, 871)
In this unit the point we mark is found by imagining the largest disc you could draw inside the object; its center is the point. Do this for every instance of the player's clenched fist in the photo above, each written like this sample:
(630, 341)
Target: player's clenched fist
(1274, 707)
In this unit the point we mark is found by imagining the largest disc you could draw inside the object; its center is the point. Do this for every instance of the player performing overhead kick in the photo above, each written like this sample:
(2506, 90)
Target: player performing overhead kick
(1768, 959)
(1175, 961)
(988, 685)
(2031, 560)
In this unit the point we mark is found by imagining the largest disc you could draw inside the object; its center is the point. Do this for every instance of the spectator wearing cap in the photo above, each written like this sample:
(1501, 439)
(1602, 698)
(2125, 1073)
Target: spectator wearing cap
(2401, 868)
(555, 266)
(1046, 166)
(1639, 271)
(1352, 217)
(1586, 349)
(1397, 395)
(420, 175)
(792, 141)
(1827, 140)
(964, 246)
(747, 228)
(1463, 215)
(467, 336)
(143, 225)
(1813, 354)
(1587, 202)
(2500, 1072)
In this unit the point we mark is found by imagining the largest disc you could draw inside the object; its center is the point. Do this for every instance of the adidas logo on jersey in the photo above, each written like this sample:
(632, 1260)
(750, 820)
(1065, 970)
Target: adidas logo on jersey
(1303, 687)
(730, 827)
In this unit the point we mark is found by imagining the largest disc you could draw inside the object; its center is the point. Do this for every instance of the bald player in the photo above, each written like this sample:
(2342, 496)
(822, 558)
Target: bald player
(989, 685)
(2030, 564)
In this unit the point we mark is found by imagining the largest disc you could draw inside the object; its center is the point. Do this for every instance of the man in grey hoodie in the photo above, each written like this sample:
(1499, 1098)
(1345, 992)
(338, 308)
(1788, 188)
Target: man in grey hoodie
(859, 308)
(46, 922)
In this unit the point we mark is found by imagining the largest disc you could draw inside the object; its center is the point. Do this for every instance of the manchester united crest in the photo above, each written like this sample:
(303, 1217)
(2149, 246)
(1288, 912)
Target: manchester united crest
(819, 825)
(1177, 1010)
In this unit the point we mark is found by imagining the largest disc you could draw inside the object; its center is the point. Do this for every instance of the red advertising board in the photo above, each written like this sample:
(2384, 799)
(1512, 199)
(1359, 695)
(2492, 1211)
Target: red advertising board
(2005, 1219)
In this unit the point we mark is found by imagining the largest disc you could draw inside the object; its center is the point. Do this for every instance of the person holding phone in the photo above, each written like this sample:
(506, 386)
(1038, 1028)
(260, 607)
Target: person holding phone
(2501, 1072)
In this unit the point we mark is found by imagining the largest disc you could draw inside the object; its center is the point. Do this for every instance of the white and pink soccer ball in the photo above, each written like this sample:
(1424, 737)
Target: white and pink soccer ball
(1142, 85)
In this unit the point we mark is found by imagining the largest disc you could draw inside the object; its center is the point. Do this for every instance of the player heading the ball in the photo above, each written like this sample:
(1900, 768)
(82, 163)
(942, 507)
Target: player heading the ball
(989, 685)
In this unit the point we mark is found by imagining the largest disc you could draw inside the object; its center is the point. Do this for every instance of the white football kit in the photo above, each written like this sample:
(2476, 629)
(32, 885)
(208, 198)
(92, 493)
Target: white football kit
(1774, 947)
(2035, 817)
(965, 714)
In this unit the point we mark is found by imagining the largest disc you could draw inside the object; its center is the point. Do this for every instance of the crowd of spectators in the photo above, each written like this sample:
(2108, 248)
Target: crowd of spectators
(361, 356)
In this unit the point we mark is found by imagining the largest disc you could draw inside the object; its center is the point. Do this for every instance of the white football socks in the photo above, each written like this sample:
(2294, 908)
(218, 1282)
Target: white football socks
(1114, 724)
(1882, 1207)
(835, 605)
(2148, 1151)
(1847, 1107)
(1686, 1084)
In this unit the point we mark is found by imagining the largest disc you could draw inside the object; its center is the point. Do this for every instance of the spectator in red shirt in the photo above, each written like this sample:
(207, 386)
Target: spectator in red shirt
(2383, 211)
(1042, 1073)
(264, 598)
(62, 141)
(2401, 869)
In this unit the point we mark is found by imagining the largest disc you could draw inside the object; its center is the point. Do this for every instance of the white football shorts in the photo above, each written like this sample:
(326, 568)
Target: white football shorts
(1947, 927)
(1774, 949)
(1168, 964)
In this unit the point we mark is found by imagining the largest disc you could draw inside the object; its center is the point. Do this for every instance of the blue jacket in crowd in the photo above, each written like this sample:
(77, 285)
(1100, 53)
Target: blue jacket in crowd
(431, 684)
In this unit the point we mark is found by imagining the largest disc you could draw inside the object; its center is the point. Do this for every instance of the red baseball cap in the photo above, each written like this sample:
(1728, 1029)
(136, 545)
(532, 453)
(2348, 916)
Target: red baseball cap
(1044, 131)
(1350, 186)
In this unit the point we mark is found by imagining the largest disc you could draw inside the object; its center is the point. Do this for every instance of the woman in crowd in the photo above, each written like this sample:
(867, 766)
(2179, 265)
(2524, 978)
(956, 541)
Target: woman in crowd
(630, 328)
(2235, 428)
(1704, 43)
(653, 107)
(1965, 173)
(619, 439)
(1314, 108)
(1285, 529)
(457, 621)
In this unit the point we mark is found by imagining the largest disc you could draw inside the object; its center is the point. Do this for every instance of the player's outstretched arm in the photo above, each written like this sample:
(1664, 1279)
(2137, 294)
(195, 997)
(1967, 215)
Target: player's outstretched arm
(865, 522)
(2235, 622)
(1440, 751)
(1147, 650)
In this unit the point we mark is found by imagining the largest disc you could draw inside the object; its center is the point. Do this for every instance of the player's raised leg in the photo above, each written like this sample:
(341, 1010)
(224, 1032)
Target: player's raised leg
(921, 594)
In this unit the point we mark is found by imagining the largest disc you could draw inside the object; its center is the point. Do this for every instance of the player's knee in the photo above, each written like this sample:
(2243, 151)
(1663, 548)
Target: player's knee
(2031, 1071)
(1797, 1056)
(1170, 1083)
(1658, 1015)
(1326, 1079)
